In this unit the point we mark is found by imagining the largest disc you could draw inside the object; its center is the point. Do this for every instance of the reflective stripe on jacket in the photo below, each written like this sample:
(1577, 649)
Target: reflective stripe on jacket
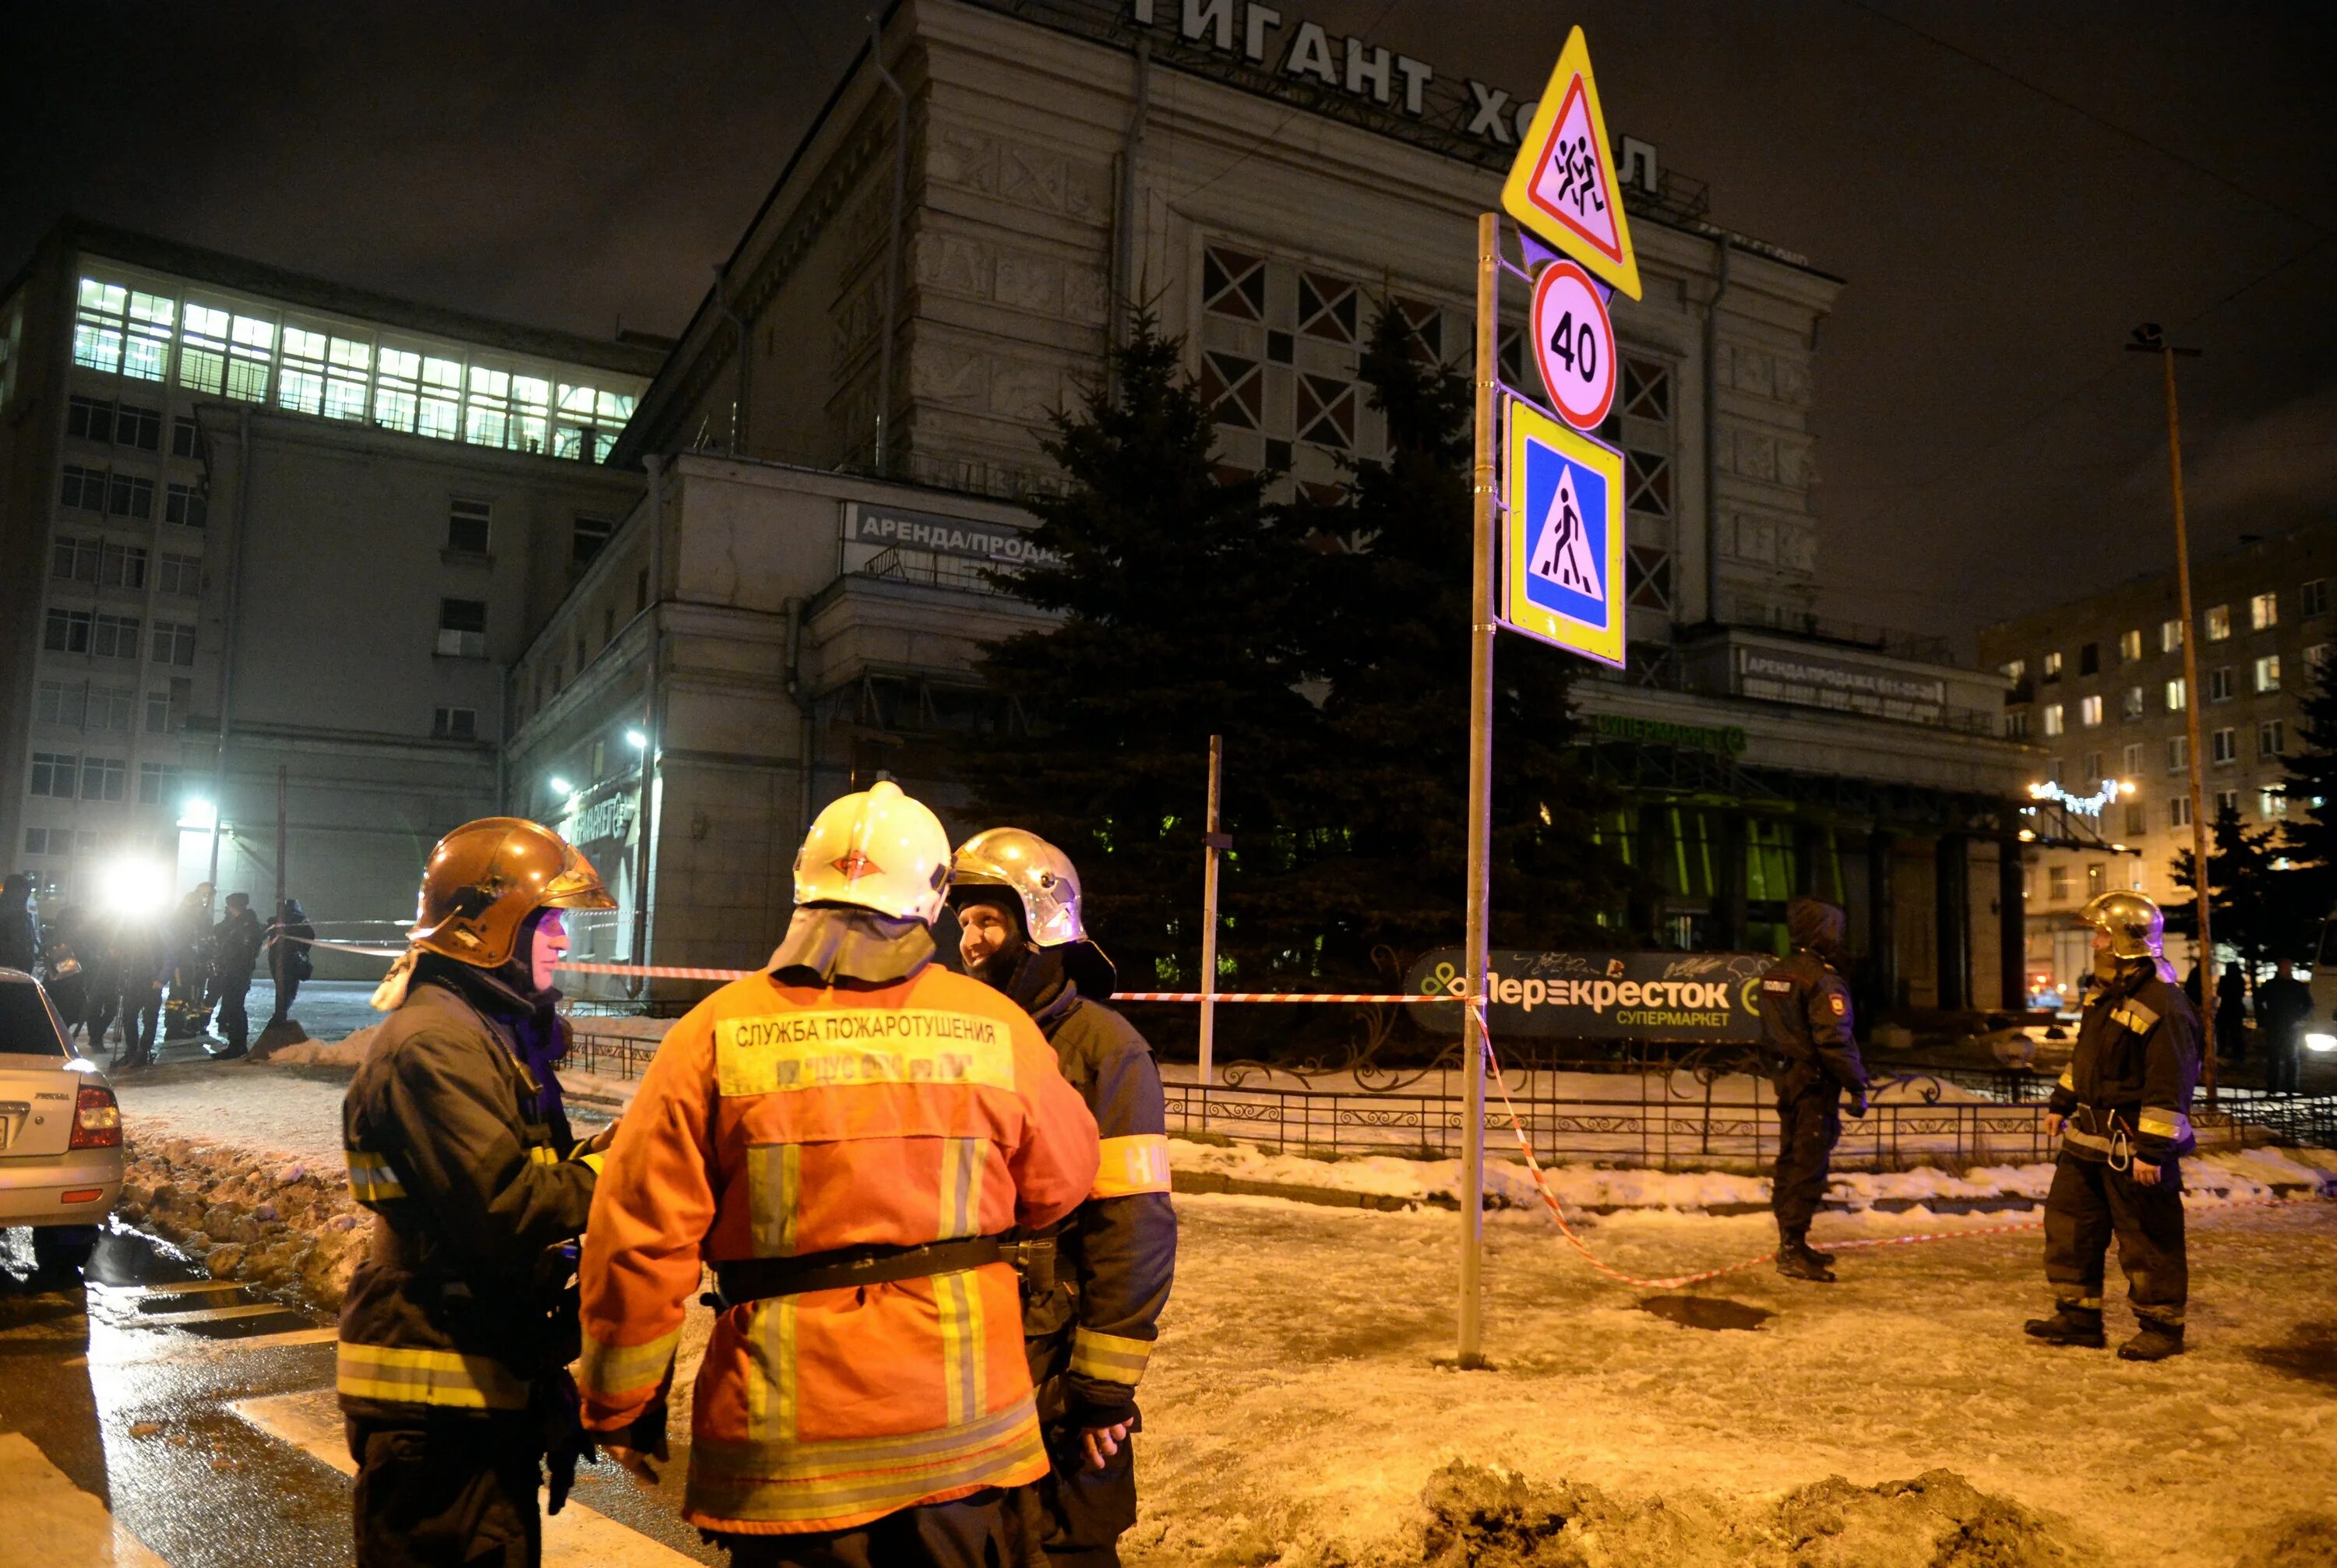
(782, 1119)
(457, 1306)
(2131, 1076)
(1117, 1251)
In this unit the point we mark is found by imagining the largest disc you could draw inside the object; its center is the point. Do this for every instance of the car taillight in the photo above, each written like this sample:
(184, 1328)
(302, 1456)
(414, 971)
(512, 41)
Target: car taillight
(97, 1119)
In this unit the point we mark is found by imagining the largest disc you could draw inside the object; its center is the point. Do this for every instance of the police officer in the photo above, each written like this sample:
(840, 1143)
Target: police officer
(1090, 1313)
(236, 942)
(457, 1325)
(2123, 1108)
(1805, 1016)
(851, 1137)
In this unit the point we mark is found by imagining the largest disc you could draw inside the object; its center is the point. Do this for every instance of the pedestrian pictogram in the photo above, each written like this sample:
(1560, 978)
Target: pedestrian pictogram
(1574, 344)
(1563, 185)
(1563, 582)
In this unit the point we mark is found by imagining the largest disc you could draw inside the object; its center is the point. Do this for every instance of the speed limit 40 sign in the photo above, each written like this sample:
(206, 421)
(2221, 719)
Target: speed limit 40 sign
(1574, 344)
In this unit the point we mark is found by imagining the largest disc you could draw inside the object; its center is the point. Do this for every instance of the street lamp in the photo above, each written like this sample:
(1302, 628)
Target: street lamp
(636, 740)
(562, 788)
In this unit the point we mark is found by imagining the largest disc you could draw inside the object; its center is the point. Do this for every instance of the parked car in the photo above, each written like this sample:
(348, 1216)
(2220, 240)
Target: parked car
(60, 1130)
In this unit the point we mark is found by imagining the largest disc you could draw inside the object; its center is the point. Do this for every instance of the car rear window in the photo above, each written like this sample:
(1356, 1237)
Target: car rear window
(25, 1029)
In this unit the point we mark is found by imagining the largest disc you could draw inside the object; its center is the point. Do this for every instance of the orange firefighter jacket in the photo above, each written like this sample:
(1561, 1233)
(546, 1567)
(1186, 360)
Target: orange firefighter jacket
(778, 1120)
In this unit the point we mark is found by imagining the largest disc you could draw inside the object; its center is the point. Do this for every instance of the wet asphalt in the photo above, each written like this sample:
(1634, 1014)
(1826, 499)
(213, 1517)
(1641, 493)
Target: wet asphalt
(127, 1382)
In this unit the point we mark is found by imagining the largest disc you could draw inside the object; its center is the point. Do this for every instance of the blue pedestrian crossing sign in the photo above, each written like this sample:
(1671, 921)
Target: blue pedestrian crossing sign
(1563, 580)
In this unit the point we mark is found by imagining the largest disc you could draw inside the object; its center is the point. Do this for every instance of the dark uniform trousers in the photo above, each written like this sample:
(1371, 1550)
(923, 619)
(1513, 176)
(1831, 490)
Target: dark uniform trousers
(449, 1491)
(2090, 1203)
(969, 1532)
(1809, 1125)
(234, 1023)
(1076, 1516)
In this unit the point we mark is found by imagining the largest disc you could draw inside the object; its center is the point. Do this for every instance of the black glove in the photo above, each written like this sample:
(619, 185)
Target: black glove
(1858, 1100)
(566, 1444)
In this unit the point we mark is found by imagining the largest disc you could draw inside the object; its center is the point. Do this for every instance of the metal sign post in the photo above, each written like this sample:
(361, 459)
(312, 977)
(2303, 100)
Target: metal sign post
(1480, 791)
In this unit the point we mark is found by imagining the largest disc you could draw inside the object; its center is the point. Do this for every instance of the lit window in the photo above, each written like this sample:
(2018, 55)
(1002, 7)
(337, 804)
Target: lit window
(2264, 612)
(2219, 685)
(2267, 673)
(202, 349)
(2094, 874)
(348, 364)
(2313, 599)
(396, 391)
(98, 325)
(531, 413)
(2225, 749)
(2014, 669)
(251, 344)
(2170, 635)
(146, 352)
(2177, 696)
(2053, 665)
(2219, 623)
(2271, 738)
(442, 387)
(2053, 719)
(300, 384)
(2089, 712)
(486, 415)
(2129, 646)
(2130, 704)
(2270, 804)
(2178, 753)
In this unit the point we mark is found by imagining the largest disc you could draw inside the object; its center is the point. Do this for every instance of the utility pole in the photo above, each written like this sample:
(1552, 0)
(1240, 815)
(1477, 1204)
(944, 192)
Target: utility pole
(2148, 339)
(1212, 840)
(281, 780)
(1480, 796)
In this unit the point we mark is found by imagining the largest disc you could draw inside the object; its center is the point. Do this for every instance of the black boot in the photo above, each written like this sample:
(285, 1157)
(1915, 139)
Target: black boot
(1824, 1258)
(2155, 1342)
(2069, 1325)
(1796, 1261)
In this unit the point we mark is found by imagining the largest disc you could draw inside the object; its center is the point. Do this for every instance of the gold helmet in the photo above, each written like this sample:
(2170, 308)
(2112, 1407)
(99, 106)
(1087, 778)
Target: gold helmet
(2133, 924)
(1045, 884)
(486, 878)
(879, 850)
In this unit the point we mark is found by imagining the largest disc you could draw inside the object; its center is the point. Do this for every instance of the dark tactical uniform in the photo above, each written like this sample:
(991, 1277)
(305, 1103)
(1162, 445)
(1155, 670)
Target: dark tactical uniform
(2127, 1093)
(459, 1325)
(1805, 1016)
(1090, 1329)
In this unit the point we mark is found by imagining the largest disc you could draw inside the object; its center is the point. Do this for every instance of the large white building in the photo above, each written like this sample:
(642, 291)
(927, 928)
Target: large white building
(274, 543)
(934, 275)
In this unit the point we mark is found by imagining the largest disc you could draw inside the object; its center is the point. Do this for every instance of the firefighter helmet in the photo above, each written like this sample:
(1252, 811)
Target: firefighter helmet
(486, 878)
(878, 850)
(1045, 886)
(2133, 924)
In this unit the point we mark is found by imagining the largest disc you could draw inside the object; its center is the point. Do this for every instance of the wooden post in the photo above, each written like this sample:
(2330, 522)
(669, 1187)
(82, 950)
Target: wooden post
(2200, 849)
(1212, 840)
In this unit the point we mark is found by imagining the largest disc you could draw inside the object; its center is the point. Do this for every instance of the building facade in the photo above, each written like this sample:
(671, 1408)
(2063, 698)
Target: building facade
(2097, 685)
(277, 543)
(940, 270)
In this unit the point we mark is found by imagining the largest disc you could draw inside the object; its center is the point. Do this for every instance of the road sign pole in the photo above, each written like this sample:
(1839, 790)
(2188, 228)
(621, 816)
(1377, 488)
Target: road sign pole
(1481, 793)
(2201, 850)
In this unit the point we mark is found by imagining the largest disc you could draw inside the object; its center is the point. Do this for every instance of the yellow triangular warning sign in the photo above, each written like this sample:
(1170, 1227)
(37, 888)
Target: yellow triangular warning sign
(1563, 185)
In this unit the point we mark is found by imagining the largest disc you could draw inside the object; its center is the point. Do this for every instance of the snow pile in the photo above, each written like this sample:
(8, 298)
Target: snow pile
(276, 1223)
(348, 1054)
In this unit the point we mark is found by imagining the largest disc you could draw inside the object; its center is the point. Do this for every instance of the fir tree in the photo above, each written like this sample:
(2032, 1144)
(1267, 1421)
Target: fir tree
(1387, 626)
(2260, 909)
(1173, 583)
(2309, 837)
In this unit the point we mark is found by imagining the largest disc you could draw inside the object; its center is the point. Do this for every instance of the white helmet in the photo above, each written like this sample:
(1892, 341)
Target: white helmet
(879, 850)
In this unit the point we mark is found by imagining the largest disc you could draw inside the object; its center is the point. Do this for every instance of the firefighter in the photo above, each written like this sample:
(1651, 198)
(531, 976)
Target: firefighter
(2122, 1109)
(848, 1137)
(1089, 1311)
(458, 1324)
(1806, 1017)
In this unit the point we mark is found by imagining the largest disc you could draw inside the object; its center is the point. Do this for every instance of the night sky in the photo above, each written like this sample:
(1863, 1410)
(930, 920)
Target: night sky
(2008, 188)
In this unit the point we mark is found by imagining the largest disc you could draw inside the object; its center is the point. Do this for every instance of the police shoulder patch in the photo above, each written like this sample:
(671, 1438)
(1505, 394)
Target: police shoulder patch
(1836, 1000)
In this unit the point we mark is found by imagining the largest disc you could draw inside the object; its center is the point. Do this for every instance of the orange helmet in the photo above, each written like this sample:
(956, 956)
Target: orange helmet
(486, 878)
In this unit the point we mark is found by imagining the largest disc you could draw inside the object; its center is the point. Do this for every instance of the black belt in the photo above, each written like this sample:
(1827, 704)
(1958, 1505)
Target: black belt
(761, 1278)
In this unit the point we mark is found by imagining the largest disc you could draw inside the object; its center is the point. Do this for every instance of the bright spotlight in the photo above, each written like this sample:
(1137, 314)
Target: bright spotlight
(2320, 1043)
(636, 740)
(562, 786)
(134, 888)
(198, 815)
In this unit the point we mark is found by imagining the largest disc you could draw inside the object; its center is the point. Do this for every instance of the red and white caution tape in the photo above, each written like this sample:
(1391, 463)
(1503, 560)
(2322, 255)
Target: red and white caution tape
(1398, 1000)
(657, 971)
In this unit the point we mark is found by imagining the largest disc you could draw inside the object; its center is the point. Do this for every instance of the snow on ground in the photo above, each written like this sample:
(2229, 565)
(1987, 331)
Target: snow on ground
(1301, 1398)
(250, 1107)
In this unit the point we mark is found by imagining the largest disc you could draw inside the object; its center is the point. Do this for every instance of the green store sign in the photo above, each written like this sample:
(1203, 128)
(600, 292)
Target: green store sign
(1729, 741)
